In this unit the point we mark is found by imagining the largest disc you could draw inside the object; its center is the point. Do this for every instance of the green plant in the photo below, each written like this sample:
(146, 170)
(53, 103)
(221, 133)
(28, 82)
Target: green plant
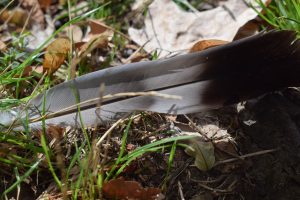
(26, 161)
(156, 146)
(283, 15)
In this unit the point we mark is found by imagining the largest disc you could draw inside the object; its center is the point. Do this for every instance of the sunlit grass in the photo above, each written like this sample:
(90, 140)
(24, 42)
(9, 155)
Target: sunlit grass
(282, 15)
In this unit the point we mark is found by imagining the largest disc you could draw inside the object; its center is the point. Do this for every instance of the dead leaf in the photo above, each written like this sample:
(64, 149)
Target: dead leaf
(78, 45)
(135, 57)
(37, 15)
(56, 53)
(38, 69)
(97, 41)
(250, 28)
(206, 44)
(76, 31)
(121, 189)
(203, 152)
(97, 27)
(62, 2)
(168, 28)
(45, 3)
(16, 16)
(3, 46)
(225, 149)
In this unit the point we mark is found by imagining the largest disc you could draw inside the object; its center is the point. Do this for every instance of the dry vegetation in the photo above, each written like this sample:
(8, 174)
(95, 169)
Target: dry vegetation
(212, 155)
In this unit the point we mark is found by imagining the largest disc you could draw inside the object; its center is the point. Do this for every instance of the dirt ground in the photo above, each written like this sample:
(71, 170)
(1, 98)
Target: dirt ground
(265, 163)
(272, 123)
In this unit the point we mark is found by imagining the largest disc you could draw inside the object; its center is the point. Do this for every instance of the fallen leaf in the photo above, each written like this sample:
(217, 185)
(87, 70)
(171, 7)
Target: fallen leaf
(27, 71)
(206, 44)
(17, 16)
(62, 2)
(37, 15)
(45, 3)
(203, 152)
(97, 41)
(168, 28)
(76, 31)
(3, 46)
(250, 28)
(56, 53)
(38, 69)
(135, 57)
(225, 149)
(121, 189)
(97, 27)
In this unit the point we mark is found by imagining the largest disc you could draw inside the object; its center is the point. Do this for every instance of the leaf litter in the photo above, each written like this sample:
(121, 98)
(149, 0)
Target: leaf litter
(225, 165)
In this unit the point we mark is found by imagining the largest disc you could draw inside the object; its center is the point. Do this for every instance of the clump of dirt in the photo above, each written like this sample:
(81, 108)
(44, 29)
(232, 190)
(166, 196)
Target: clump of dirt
(267, 132)
(277, 124)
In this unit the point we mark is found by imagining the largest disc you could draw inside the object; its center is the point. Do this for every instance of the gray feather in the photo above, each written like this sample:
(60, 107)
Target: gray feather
(205, 80)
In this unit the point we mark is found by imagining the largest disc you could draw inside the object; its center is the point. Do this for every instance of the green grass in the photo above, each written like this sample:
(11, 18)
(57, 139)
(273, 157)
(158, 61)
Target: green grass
(12, 63)
(32, 154)
(282, 15)
(30, 151)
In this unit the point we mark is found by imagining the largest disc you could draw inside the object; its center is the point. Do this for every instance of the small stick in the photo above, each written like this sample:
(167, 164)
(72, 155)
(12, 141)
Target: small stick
(180, 190)
(112, 128)
(246, 156)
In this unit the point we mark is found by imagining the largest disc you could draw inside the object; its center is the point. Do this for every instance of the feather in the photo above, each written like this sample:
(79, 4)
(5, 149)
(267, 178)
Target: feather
(204, 80)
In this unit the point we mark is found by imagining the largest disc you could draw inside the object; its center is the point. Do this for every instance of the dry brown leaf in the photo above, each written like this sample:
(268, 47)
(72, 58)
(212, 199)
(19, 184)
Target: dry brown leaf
(135, 57)
(31, 70)
(97, 27)
(226, 149)
(16, 16)
(79, 45)
(62, 2)
(45, 3)
(3, 46)
(96, 41)
(250, 28)
(37, 15)
(4, 15)
(206, 44)
(55, 132)
(121, 189)
(56, 53)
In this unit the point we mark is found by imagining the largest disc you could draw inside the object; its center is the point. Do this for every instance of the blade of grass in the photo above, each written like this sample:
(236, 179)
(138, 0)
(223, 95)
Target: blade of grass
(22, 178)
(153, 147)
(122, 150)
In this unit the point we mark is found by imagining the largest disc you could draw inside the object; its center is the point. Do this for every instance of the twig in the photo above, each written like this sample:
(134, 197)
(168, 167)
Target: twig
(246, 156)
(197, 128)
(27, 19)
(7, 5)
(135, 53)
(112, 128)
(213, 189)
(180, 190)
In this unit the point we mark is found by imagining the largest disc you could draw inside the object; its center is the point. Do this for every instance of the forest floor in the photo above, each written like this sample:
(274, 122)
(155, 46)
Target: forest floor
(246, 151)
